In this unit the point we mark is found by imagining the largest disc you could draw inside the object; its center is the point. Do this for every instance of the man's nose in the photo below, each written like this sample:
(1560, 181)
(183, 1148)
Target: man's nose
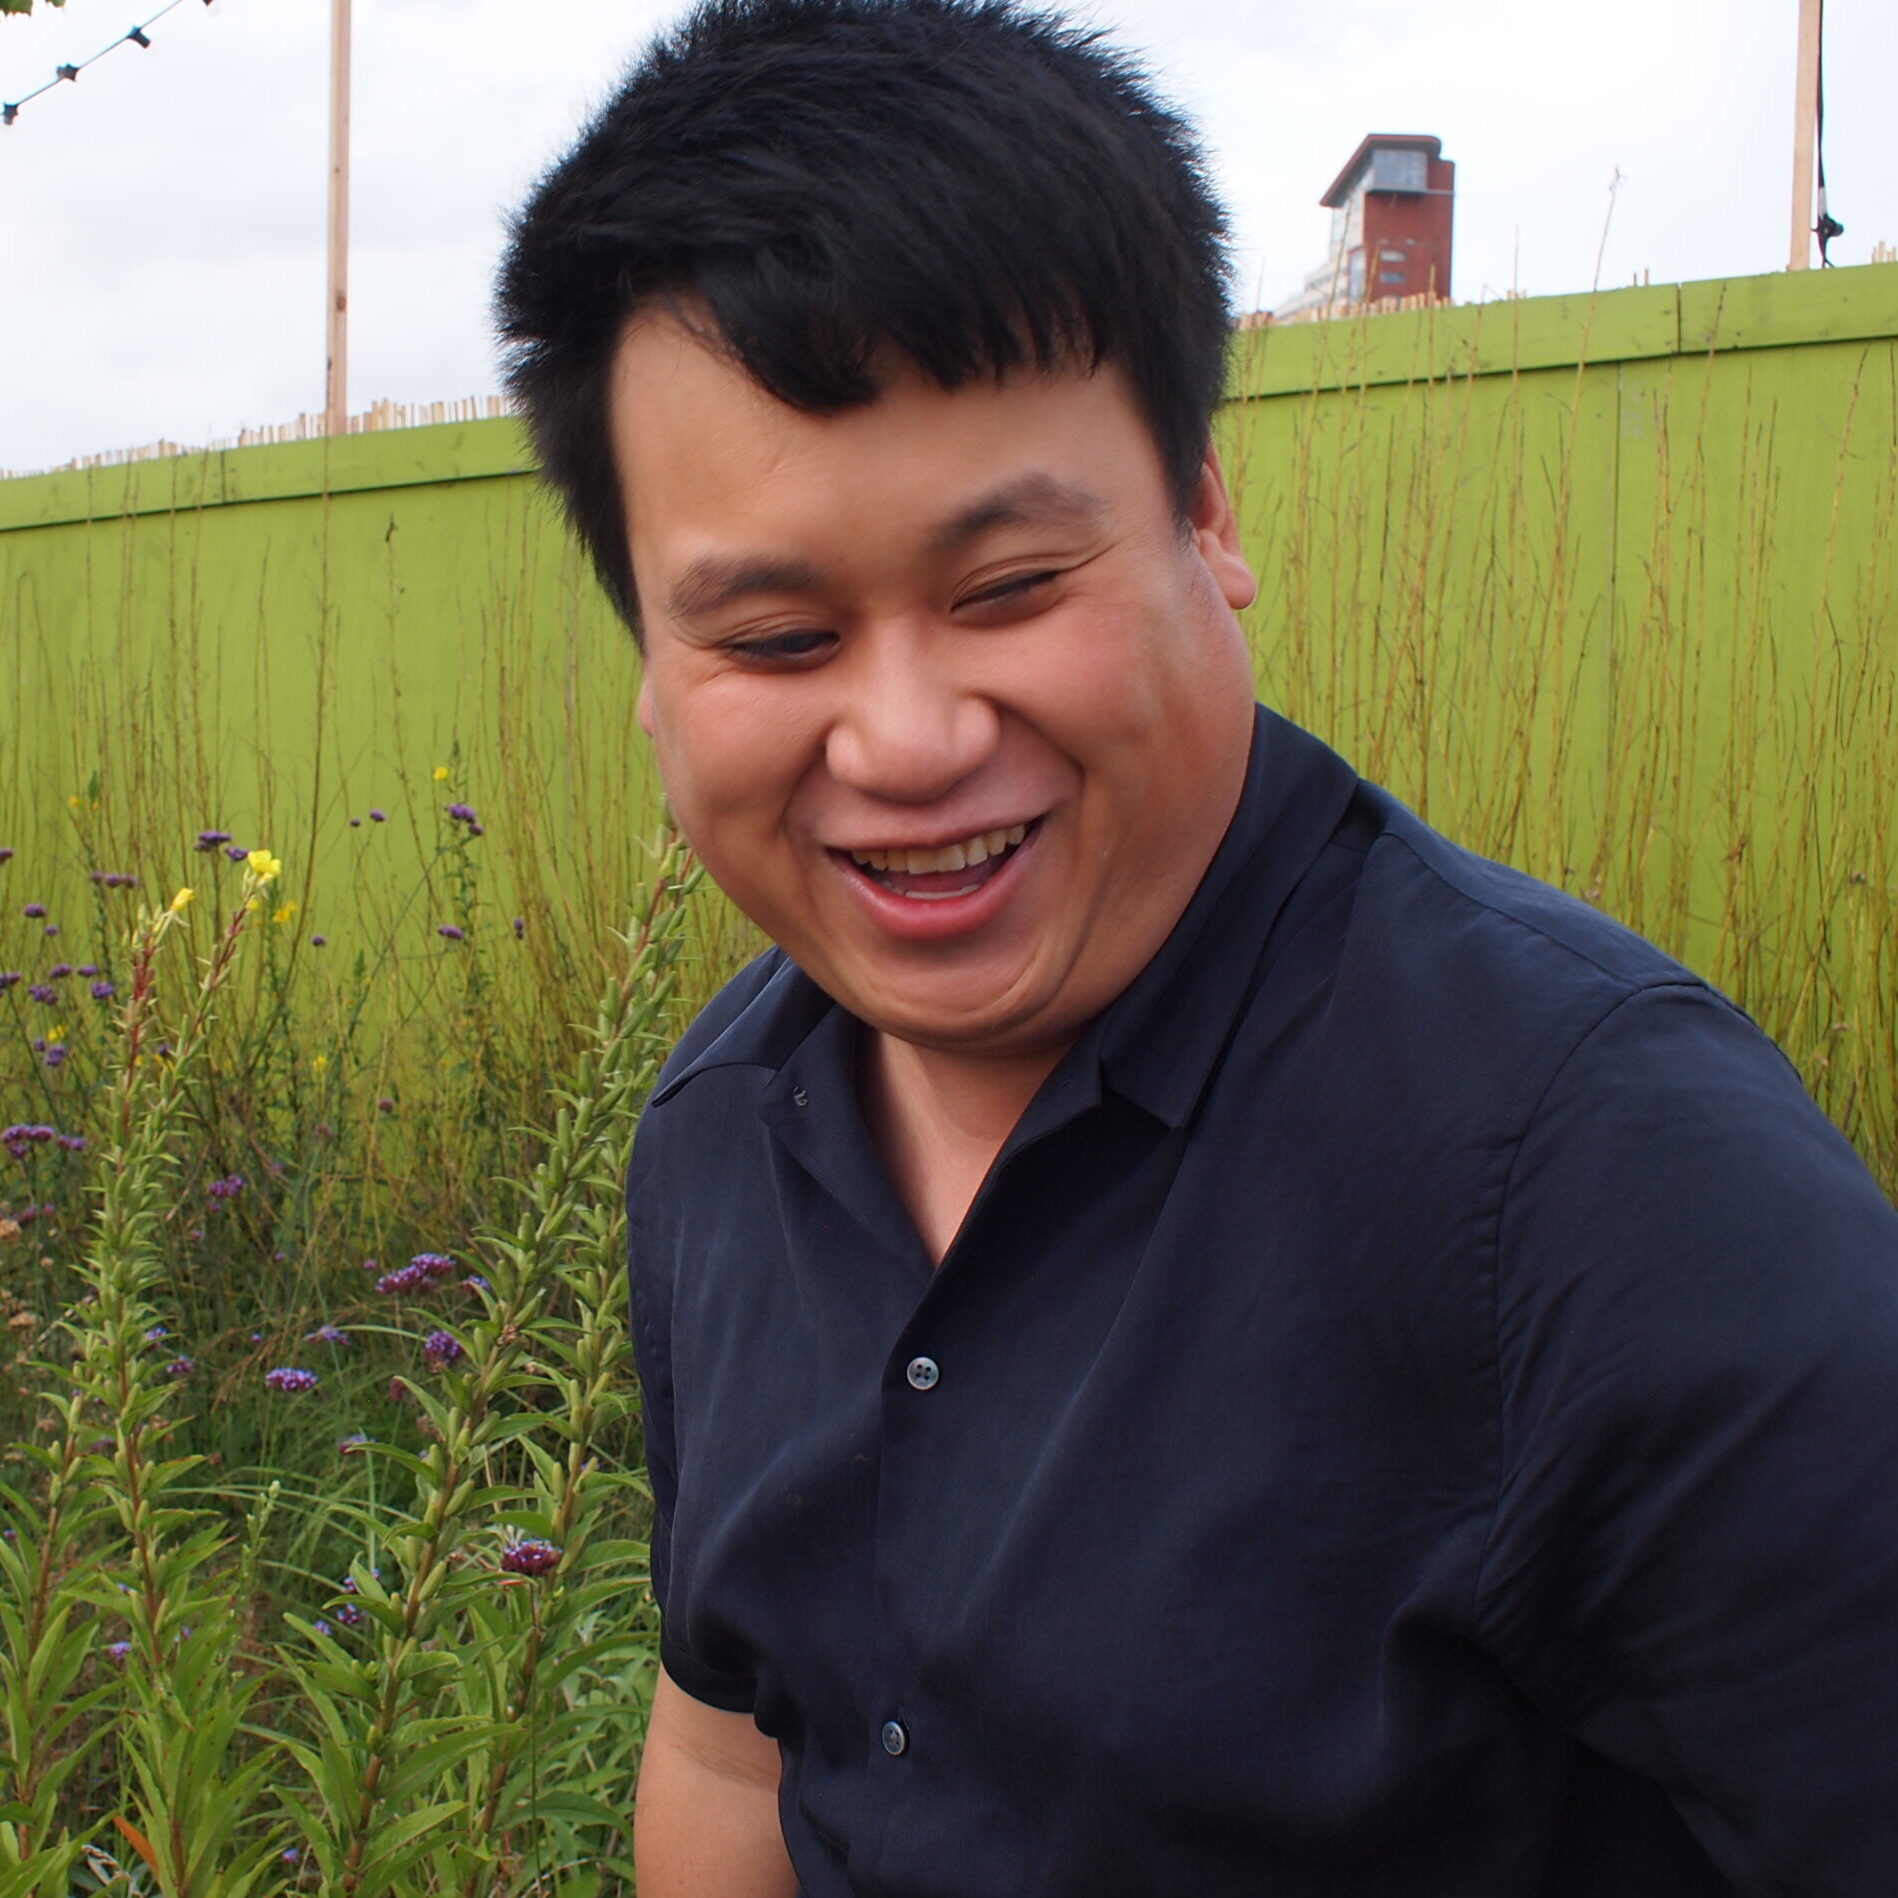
(908, 727)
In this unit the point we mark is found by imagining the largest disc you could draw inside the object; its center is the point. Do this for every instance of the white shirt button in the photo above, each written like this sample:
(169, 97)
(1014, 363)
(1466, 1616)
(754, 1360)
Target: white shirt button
(923, 1374)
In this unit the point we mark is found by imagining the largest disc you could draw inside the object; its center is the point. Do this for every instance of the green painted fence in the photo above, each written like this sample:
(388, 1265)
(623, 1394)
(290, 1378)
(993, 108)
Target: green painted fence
(1603, 585)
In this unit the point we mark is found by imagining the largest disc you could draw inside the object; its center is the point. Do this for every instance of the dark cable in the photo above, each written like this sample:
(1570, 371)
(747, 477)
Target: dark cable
(1828, 226)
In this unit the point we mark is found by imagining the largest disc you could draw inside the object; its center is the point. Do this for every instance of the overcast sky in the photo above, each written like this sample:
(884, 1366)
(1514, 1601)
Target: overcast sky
(162, 219)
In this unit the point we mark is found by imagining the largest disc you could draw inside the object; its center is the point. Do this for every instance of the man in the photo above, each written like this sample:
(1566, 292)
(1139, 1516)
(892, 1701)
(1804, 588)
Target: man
(1196, 1338)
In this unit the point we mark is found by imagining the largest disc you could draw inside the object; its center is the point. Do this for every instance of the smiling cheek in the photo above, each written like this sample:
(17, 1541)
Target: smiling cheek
(732, 771)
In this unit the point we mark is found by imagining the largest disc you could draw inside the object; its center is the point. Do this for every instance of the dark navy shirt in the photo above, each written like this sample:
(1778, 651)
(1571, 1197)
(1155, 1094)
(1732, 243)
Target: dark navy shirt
(1413, 1409)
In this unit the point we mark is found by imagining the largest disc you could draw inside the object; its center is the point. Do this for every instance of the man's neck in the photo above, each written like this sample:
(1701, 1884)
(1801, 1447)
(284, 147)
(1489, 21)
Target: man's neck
(939, 1120)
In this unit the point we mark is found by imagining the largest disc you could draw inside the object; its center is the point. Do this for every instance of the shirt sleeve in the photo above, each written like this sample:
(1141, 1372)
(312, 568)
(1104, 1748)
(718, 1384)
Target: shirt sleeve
(1693, 1559)
(649, 1262)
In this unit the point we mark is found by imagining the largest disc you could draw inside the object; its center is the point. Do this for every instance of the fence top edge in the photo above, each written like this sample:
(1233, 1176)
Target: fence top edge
(479, 450)
(1507, 337)
(1514, 335)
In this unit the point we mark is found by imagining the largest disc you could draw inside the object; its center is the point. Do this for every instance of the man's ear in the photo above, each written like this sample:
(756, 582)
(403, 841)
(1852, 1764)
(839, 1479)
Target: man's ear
(1215, 531)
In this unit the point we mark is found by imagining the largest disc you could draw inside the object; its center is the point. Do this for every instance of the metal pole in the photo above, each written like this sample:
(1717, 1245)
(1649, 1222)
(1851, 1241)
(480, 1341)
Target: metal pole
(336, 382)
(1805, 133)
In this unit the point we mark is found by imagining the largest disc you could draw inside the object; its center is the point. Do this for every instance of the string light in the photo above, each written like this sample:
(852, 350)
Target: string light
(137, 36)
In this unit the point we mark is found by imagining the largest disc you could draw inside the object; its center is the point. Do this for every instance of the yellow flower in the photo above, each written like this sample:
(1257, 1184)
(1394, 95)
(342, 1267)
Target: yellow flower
(263, 866)
(182, 901)
(283, 914)
(251, 902)
(73, 803)
(441, 774)
(321, 1062)
(55, 1034)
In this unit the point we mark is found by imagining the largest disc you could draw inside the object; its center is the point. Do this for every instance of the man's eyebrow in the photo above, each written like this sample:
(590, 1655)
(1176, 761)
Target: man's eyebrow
(1033, 500)
(716, 580)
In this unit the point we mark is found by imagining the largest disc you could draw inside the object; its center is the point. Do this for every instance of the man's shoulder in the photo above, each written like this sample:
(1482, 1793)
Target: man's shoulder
(1437, 918)
(1456, 990)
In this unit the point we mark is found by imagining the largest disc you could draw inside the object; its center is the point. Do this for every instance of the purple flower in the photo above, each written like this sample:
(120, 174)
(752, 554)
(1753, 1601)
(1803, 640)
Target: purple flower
(51, 929)
(178, 1367)
(59, 972)
(6, 853)
(349, 1615)
(118, 1650)
(103, 991)
(319, 942)
(461, 813)
(73, 1143)
(384, 1105)
(476, 1283)
(289, 1855)
(355, 823)
(451, 932)
(43, 992)
(378, 817)
(113, 879)
(326, 1334)
(256, 1337)
(440, 1349)
(352, 1445)
(227, 1188)
(88, 968)
(320, 1626)
(210, 839)
(154, 1333)
(529, 1556)
(520, 927)
(10, 978)
(288, 1378)
(35, 910)
(437, 1265)
(405, 1278)
(236, 852)
(54, 1056)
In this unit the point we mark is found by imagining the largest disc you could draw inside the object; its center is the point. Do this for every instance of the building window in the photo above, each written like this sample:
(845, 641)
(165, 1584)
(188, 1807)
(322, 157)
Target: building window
(1398, 170)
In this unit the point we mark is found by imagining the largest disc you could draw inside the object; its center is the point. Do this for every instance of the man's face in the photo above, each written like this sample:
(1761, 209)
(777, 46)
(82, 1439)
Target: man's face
(941, 692)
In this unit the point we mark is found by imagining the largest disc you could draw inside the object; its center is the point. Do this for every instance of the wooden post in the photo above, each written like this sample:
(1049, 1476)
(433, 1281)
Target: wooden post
(336, 382)
(1805, 134)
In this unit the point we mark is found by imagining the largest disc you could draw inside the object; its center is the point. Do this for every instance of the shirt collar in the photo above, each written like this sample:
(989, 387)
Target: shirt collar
(1158, 1043)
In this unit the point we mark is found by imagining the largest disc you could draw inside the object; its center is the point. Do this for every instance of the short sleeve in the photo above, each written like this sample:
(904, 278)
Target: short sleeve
(1693, 1561)
(650, 1260)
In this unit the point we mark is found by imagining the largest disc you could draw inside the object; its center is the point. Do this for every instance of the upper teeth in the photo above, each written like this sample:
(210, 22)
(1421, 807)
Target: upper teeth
(962, 856)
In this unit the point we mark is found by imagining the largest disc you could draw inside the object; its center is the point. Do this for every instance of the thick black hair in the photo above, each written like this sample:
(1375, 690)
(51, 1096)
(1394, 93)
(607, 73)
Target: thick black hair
(978, 187)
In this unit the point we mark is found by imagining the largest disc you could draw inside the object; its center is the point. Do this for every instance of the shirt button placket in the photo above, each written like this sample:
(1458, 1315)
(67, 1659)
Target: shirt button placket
(920, 1374)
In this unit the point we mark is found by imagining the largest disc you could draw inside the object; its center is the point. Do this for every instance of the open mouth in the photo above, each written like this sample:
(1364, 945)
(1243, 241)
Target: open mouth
(934, 876)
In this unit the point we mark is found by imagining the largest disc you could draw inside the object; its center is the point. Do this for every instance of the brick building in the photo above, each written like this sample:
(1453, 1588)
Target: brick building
(1392, 217)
